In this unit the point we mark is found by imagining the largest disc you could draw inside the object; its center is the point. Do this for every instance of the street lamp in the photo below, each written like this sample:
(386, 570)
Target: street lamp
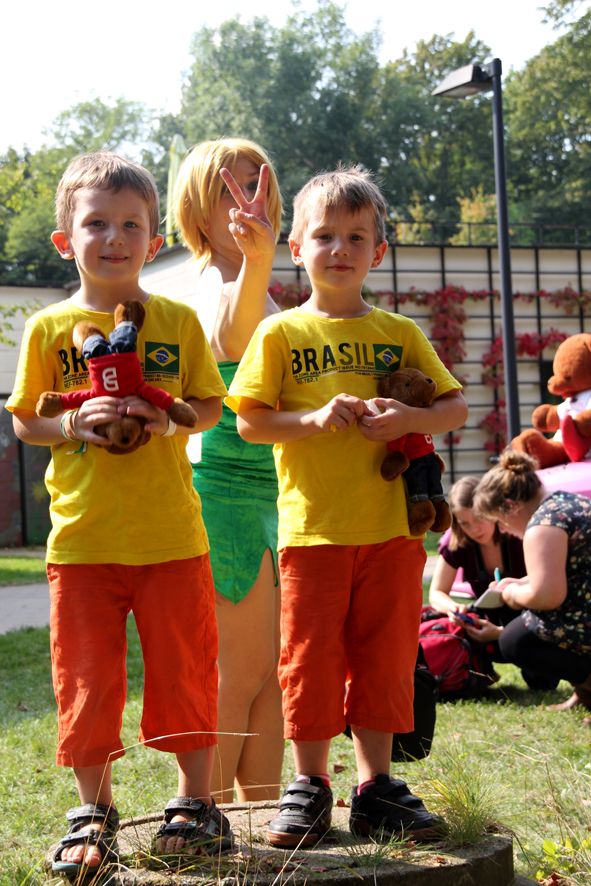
(459, 84)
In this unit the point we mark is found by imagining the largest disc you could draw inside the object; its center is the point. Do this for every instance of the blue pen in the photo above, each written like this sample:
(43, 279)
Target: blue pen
(497, 573)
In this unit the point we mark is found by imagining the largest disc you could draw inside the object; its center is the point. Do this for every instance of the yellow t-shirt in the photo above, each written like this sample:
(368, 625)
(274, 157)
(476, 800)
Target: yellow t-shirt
(133, 509)
(330, 487)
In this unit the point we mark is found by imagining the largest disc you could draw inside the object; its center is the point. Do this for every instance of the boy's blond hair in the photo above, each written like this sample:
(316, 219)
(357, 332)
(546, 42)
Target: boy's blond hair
(349, 187)
(107, 172)
(199, 187)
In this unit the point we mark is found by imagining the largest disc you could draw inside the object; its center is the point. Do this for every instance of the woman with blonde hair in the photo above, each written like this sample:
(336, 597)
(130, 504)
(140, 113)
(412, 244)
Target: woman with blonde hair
(228, 211)
(552, 636)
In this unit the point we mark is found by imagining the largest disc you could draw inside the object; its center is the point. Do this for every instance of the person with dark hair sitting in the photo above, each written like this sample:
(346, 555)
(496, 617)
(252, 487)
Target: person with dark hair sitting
(476, 545)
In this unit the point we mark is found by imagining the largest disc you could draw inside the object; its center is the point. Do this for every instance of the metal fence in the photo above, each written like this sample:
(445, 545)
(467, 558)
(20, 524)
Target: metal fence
(441, 287)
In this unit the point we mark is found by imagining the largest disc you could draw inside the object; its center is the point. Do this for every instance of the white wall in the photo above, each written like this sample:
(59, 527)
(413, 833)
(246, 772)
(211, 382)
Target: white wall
(30, 299)
(174, 273)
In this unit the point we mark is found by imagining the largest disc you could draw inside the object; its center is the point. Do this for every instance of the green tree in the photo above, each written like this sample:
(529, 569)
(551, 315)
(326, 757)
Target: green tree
(325, 98)
(452, 151)
(549, 115)
(28, 183)
(95, 125)
(477, 219)
(311, 108)
(418, 225)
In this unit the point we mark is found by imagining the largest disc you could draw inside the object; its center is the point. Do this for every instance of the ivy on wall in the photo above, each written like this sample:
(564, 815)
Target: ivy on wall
(447, 319)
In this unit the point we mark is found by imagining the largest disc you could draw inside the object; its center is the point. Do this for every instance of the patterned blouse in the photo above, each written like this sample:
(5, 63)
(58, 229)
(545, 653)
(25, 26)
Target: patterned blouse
(568, 626)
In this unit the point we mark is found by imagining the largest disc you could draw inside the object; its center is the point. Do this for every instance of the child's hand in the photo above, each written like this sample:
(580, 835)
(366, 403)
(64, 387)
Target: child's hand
(156, 419)
(386, 419)
(340, 413)
(92, 413)
(249, 224)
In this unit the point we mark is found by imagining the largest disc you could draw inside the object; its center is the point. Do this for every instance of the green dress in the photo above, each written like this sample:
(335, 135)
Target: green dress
(237, 484)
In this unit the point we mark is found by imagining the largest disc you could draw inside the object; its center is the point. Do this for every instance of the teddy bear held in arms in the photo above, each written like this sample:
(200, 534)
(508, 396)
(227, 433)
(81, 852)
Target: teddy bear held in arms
(570, 421)
(115, 370)
(414, 455)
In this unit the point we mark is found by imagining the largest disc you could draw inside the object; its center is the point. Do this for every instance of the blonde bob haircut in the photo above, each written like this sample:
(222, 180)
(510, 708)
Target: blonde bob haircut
(199, 187)
(349, 188)
(106, 172)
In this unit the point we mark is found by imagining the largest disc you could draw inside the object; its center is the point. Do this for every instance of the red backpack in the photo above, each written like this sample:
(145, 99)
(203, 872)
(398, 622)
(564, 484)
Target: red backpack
(462, 668)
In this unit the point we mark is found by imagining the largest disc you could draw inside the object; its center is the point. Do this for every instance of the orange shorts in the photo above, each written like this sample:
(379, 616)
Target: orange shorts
(173, 605)
(349, 636)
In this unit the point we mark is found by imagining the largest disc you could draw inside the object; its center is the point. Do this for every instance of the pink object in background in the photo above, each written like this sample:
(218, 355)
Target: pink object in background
(575, 476)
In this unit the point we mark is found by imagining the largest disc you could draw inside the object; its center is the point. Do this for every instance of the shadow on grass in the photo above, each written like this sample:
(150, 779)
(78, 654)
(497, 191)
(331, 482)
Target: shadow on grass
(524, 697)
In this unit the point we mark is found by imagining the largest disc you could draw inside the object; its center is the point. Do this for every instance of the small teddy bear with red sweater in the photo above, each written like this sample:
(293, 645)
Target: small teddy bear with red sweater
(414, 456)
(115, 370)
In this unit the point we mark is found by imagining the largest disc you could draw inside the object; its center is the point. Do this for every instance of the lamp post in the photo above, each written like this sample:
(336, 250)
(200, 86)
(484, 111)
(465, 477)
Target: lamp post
(459, 84)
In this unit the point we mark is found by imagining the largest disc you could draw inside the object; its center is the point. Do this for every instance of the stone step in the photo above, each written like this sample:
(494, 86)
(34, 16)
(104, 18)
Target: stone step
(340, 860)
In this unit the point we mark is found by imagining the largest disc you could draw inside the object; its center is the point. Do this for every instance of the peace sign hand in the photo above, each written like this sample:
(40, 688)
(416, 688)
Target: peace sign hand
(249, 224)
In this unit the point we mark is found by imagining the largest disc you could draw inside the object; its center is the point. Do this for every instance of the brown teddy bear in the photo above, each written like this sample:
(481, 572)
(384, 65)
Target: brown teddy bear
(570, 421)
(115, 370)
(414, 455)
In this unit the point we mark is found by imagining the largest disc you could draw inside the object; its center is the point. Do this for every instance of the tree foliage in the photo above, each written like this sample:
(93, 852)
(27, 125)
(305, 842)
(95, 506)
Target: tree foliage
(549, 117)
(28, 183)
(325, 98)
(315, 94)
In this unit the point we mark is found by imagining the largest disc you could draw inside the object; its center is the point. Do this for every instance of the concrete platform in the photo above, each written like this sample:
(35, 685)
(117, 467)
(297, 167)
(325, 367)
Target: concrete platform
(341, 859)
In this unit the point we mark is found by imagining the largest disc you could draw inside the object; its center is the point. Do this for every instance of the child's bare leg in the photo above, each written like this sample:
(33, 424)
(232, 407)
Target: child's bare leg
(311, 757)
(373, 751)
(94, 786)
(194, 779)
(249, 697)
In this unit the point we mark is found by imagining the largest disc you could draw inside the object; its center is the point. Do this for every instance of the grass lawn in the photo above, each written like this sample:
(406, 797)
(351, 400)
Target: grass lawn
(21, 570)
(431, 540)
(526, 768)
(24, 570)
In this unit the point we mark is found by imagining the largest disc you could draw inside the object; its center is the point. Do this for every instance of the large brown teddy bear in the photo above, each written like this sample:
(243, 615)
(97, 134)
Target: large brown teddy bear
(414, 456)
(570, 421)
(115, 370)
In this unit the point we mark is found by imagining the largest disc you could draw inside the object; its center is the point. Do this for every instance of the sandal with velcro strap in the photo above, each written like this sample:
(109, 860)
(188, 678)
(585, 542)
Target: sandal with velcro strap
(83, 833)
(208, 830)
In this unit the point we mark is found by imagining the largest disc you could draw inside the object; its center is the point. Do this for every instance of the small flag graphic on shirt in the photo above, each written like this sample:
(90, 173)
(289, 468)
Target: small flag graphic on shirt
(387, 356)
(161, 357)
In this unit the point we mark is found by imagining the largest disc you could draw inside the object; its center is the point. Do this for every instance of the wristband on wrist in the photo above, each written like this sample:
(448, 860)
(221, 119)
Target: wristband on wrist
(171, 429)
(66, 425)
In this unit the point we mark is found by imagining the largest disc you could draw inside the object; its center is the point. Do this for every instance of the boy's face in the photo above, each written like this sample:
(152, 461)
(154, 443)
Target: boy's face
(109, 237)
(338, 248)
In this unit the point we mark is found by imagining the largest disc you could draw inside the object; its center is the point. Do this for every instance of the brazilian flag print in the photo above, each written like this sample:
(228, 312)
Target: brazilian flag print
(161, 358)
(387, 357)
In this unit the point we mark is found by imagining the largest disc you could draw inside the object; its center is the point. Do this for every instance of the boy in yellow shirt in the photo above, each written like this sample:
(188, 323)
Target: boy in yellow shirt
(351, 576)
(127, 533)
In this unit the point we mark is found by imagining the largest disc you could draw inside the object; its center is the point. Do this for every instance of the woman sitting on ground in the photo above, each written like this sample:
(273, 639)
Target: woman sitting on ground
(477, 546)
(552, 636)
